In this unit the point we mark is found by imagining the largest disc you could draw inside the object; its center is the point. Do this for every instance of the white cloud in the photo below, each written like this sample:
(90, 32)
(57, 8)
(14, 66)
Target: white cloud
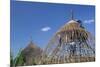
(44, 29)
(89, 21)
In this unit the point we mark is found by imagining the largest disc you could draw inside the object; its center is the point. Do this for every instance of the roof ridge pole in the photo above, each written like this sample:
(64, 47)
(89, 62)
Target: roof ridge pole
(31, 41)
(72, 15)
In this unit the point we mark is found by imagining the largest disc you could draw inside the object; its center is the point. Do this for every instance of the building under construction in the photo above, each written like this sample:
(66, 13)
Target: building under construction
(71, 43)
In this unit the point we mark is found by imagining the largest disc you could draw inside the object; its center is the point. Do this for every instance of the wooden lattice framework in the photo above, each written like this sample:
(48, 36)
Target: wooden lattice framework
(71, 43)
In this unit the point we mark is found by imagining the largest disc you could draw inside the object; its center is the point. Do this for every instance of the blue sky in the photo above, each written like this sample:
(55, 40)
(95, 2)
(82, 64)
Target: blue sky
(41, 20)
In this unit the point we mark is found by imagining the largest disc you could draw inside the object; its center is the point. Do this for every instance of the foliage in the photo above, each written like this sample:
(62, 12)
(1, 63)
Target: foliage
(19, 60)
(11, 60)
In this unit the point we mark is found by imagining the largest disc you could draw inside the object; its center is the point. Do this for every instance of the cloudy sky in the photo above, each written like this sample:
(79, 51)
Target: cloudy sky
(41, 20)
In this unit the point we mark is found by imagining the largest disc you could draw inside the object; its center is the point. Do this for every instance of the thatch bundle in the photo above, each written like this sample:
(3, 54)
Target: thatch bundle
(72, 31)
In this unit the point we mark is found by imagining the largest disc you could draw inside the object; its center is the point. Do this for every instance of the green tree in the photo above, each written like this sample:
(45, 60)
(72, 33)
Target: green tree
(19, 60)
(11, 60)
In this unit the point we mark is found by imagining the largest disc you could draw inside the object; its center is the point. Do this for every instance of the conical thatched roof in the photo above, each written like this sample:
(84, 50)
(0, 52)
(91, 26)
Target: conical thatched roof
(72, 30)
(31, 49)
(31, 52)
(71, 25)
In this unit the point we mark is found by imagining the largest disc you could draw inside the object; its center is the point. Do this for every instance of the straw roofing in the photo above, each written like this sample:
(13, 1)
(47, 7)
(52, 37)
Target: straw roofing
(72, 31)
